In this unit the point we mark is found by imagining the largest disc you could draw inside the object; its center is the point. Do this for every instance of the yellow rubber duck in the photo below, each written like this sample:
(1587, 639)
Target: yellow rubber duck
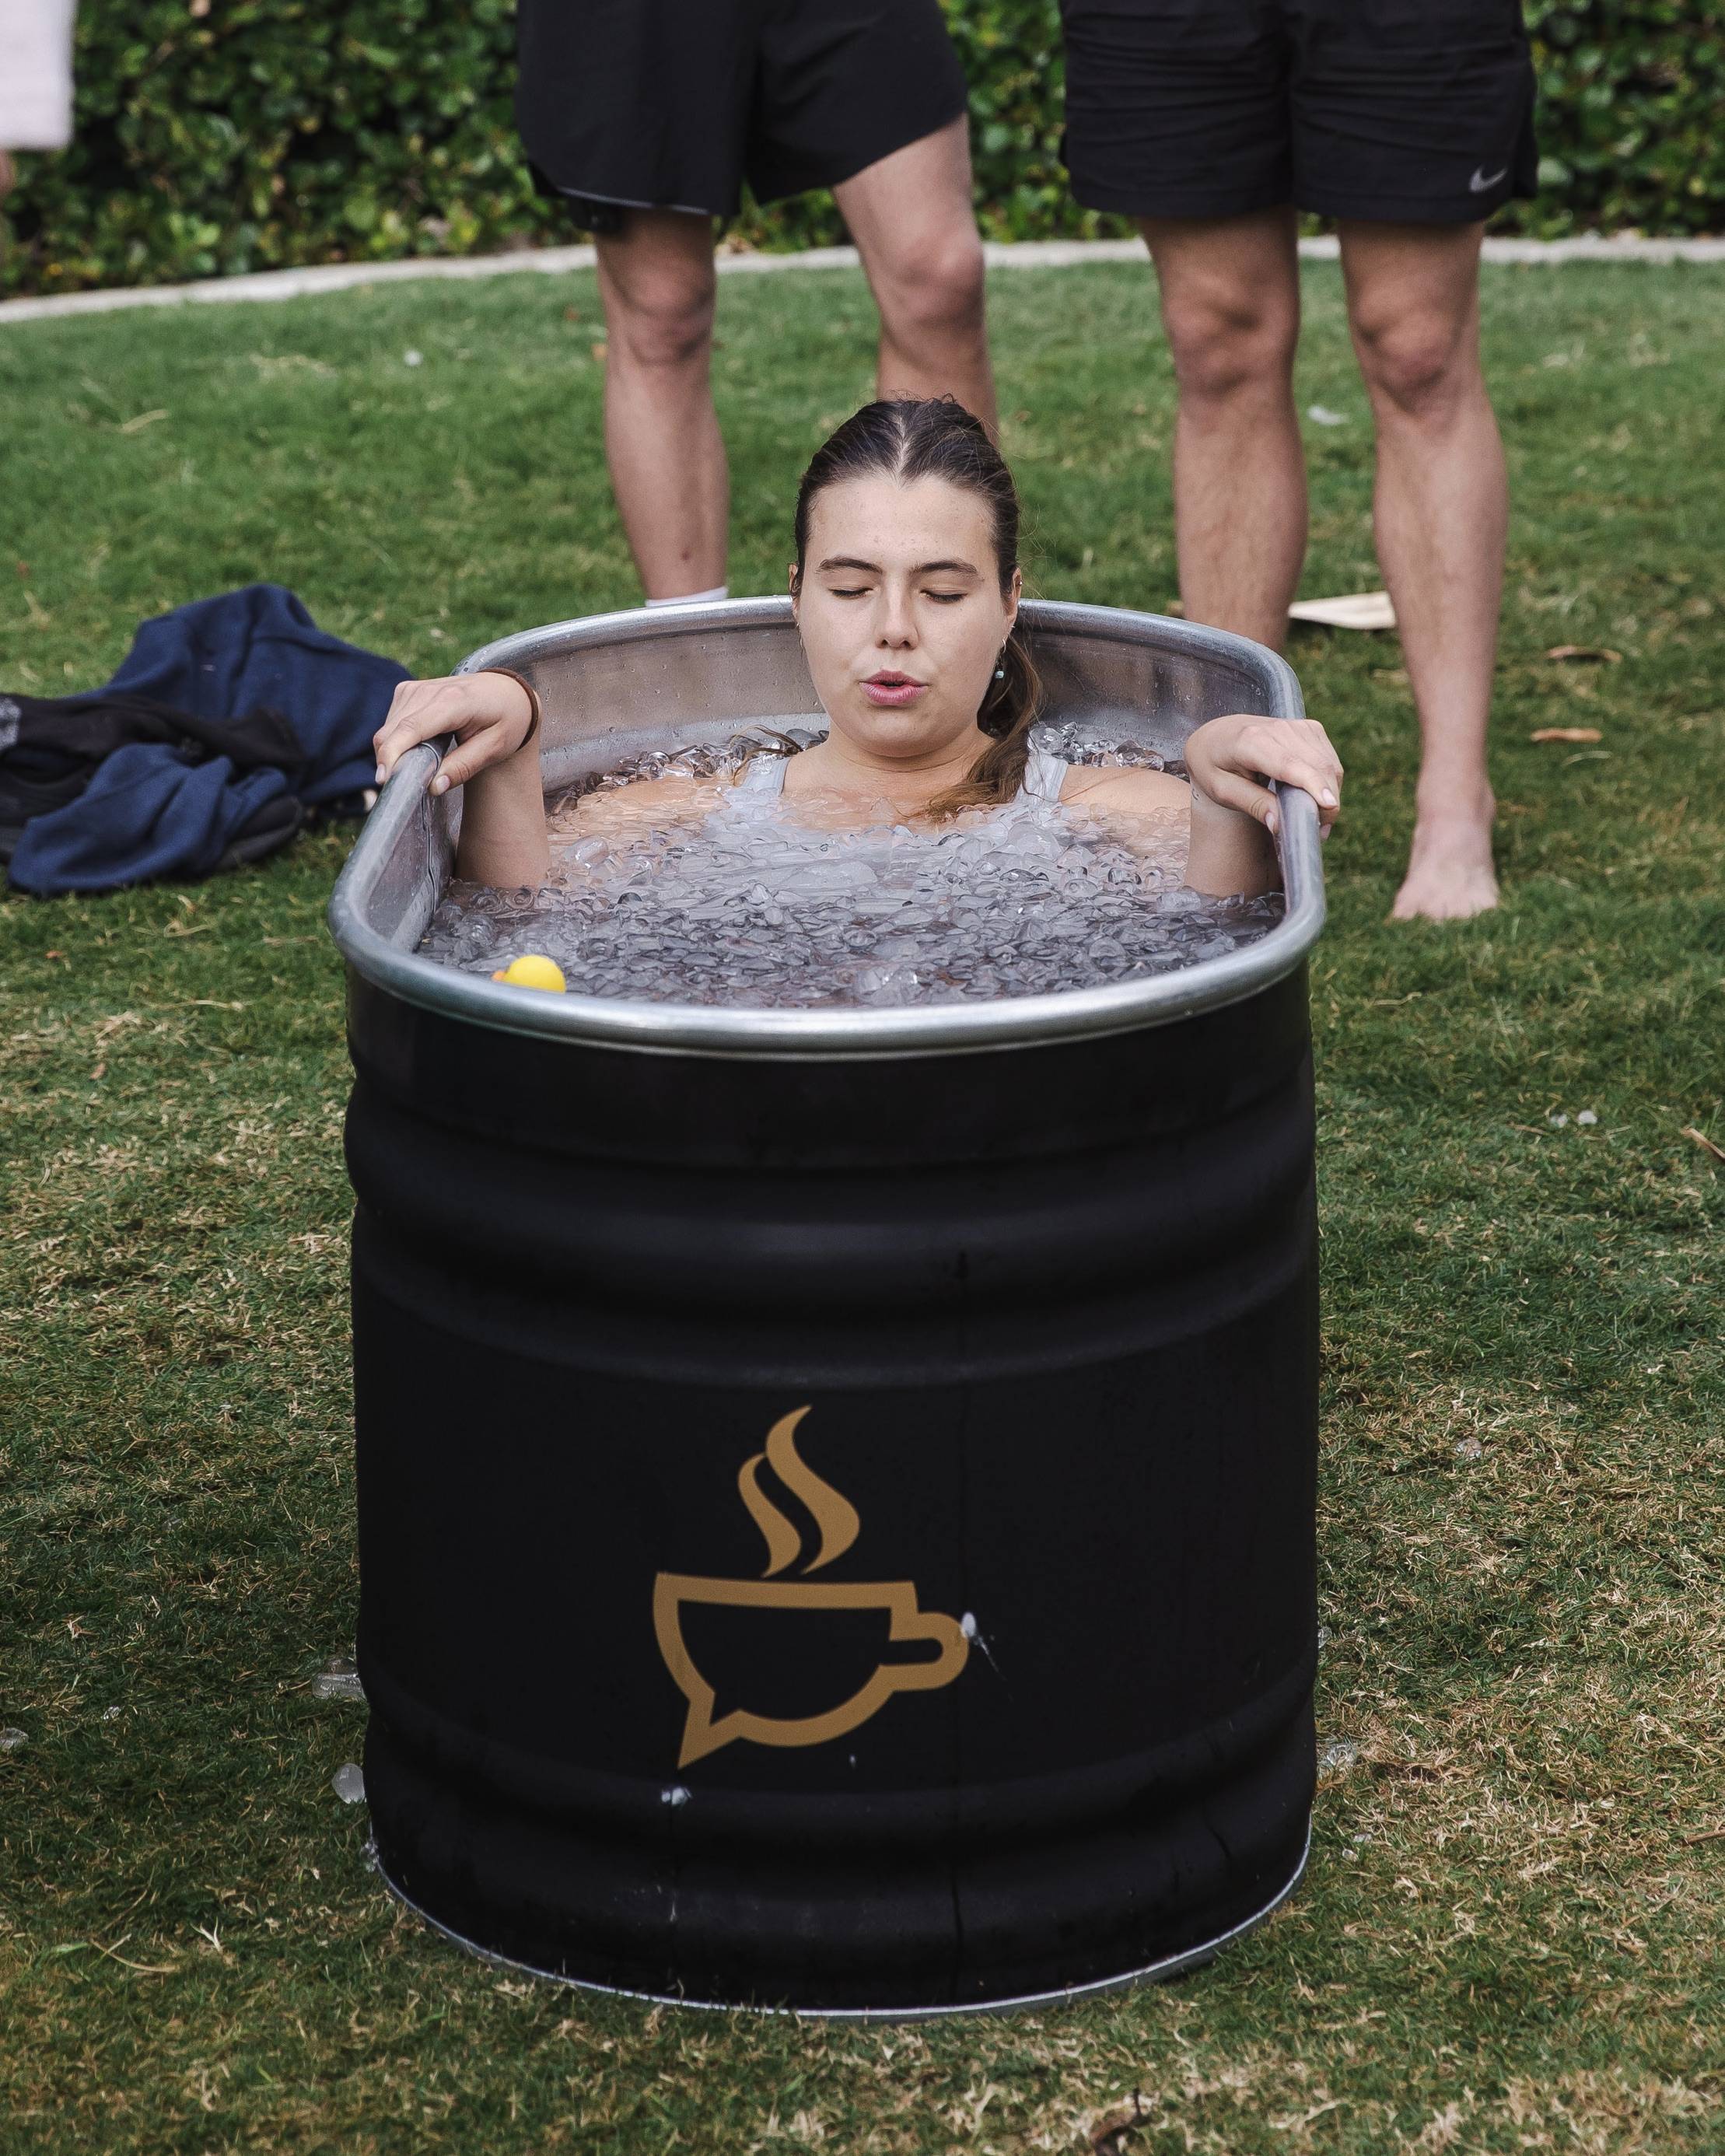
(533, 970)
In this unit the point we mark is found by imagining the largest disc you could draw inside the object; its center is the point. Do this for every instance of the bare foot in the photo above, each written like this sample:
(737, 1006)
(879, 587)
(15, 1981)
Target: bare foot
(1451, 874)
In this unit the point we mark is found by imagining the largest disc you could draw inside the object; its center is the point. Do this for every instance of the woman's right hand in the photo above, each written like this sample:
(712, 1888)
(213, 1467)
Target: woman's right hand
(1235, 762)
(490, 715)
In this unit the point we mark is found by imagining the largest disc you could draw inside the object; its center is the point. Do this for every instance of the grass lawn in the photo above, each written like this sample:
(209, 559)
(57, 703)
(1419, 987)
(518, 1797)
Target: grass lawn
(1508, 1939)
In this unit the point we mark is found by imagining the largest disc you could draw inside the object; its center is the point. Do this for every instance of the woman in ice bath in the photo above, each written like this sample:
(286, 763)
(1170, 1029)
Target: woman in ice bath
(905, 586)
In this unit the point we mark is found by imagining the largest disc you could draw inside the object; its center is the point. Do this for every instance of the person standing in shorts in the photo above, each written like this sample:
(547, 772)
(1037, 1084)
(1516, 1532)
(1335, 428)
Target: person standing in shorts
(649, 115)
(1213, 123)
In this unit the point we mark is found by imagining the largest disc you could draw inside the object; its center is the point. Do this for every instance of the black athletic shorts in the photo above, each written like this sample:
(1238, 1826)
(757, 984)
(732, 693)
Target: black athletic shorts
(1406, 111)
(675, 103)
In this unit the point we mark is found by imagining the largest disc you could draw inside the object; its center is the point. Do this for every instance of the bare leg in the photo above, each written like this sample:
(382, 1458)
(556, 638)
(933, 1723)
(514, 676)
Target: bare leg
(1442, 511)
(662, 436)
(1230, 303)
(911, 216)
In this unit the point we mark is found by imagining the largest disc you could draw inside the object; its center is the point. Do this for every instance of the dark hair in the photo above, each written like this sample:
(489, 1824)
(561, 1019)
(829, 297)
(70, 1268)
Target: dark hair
(935, 438)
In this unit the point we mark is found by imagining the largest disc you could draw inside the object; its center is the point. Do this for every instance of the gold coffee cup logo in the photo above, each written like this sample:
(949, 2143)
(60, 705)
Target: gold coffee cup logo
(836, 1517)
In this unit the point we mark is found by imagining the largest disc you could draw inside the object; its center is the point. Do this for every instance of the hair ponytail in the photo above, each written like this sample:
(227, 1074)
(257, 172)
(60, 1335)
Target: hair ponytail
(1008, 712)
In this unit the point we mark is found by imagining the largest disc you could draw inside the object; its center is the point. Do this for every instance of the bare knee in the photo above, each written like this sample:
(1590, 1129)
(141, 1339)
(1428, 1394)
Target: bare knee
(1227, 345)
(660, 322)
(1418, 366)
(933, 290)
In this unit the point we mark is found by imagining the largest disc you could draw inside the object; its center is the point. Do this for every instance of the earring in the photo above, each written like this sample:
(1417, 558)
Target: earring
(1000, 671)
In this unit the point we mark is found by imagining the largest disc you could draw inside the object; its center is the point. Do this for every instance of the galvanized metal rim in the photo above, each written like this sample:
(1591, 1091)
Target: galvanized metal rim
(926, 1029)
(1155, 1972)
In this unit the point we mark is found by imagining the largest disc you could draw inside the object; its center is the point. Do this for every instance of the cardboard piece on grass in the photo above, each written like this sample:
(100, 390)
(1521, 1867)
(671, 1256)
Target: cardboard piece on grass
(1353, 610)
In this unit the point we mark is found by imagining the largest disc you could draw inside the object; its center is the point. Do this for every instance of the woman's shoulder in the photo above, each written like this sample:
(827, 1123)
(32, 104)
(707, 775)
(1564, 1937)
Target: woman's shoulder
(1120, 791)
(640, 804)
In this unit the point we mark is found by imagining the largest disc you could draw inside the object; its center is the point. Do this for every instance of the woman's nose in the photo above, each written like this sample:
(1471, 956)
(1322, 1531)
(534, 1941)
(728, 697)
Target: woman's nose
(895, 623)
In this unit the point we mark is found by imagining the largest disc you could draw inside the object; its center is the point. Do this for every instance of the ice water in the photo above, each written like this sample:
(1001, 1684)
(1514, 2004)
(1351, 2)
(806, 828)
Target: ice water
(752, 902)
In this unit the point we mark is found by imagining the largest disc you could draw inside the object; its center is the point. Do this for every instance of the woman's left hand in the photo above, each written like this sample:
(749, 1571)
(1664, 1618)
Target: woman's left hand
(1233, 760)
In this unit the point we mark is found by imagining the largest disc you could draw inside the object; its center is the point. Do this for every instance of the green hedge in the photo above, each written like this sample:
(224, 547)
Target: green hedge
(220, 136)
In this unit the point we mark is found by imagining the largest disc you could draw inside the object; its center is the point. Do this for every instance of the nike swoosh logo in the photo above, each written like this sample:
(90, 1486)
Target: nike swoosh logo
(1480, 183)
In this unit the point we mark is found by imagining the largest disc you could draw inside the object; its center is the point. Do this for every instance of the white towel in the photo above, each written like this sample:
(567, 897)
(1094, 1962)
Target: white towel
(35, 73)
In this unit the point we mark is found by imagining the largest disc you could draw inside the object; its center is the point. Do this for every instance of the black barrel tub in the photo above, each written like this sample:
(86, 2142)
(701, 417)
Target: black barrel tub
(835, 1488)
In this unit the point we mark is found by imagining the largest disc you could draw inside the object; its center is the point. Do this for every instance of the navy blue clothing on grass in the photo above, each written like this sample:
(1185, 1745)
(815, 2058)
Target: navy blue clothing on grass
(145, 815)
(227, 718)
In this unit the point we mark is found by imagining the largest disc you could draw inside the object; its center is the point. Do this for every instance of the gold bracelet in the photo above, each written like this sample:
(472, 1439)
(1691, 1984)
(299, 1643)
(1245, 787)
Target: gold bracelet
(521, 682)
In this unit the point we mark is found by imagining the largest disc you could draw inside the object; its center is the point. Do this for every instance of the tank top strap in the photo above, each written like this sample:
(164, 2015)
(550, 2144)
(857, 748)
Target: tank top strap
(1044, 774)
(763, 776)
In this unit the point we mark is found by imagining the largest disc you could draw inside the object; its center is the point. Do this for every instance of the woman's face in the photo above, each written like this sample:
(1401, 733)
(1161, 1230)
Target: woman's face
(901, 614)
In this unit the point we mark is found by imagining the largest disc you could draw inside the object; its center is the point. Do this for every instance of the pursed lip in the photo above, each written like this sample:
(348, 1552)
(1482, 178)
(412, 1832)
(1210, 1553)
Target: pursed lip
(890, 687)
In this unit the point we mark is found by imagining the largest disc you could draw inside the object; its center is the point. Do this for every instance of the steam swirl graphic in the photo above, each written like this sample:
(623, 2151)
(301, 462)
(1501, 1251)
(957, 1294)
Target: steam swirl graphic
(804, 1605)
(835, 1515)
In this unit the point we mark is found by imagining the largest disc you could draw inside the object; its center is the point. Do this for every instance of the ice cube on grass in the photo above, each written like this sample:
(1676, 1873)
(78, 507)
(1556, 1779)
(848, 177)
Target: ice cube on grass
(338, 1679)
